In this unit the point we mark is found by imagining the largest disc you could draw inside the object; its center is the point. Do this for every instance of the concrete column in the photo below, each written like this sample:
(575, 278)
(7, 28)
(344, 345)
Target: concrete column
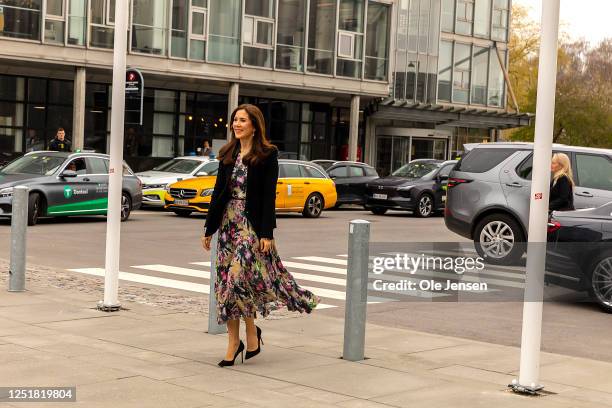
(78, 109)
(354, 128)
(232, 103)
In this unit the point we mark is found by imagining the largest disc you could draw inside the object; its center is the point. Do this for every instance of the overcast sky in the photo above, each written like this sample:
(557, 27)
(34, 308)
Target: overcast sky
(588, 19)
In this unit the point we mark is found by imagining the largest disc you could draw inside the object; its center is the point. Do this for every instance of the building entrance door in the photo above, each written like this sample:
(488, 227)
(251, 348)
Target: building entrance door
(392, 152)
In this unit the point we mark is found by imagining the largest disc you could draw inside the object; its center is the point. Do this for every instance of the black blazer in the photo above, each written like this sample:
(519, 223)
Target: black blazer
(561, 195)
(260, 196)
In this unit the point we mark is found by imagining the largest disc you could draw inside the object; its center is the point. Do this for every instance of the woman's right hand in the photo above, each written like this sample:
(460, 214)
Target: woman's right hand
(206, 242)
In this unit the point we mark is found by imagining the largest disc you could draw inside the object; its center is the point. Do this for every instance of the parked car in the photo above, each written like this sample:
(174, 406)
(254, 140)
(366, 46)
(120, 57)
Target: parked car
(63, 183)
(325, 163)
(419, 186)
(489, 193)
(579, 254)
(302, 187)
(351, 179)
(155, 182)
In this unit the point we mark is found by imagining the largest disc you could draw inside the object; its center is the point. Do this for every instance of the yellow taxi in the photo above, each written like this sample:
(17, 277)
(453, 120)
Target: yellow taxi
(302, 187)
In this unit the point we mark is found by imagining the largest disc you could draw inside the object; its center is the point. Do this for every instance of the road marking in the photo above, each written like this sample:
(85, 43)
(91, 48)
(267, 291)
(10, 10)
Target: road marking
(322, 259)
(168, 283)
(311, 267)
(150, 280)
(202, 274)
(201, 263)
(175, 270)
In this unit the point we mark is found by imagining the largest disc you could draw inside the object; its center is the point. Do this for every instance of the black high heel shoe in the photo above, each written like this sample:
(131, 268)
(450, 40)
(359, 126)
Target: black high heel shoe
(250, 354)
(240, 350)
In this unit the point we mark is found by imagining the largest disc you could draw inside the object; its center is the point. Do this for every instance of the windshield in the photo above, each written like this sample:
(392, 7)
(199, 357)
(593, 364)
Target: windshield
(178, 166)
(415, 169)
(40, 164)
(210, 168)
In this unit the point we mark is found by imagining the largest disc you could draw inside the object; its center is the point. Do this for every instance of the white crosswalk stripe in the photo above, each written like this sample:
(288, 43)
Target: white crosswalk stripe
(313, 273)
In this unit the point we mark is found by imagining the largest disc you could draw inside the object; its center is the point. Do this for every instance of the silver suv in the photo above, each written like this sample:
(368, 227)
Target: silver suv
(488, 193)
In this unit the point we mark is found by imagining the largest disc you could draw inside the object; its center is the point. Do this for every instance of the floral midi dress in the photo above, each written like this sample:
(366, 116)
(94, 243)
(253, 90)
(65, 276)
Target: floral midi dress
(249, 281)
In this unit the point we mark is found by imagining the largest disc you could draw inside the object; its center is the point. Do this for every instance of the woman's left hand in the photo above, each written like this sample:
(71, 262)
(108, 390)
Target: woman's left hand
(265, 245)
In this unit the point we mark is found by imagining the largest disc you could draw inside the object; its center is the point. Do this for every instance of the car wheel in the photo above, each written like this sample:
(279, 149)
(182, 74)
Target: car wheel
(182, 213)
(126, 207)
(497, 239)
(601, 282)
(378, 210)
(425, 206)
(34, 208)
(314, 206)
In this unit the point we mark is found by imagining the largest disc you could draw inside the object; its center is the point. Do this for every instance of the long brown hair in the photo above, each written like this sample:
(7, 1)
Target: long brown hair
(261, 147)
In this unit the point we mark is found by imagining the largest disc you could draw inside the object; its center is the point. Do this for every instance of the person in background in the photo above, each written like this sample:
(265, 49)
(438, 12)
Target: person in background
(206, 150)
(561, 184)
(60, 143)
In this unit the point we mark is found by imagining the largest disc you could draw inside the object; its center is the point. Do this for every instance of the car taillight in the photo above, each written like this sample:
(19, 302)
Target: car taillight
(452, 181)
(553, 226)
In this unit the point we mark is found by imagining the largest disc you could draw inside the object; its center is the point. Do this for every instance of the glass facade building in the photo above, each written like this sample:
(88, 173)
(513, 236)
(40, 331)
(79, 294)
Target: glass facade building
(301, 61)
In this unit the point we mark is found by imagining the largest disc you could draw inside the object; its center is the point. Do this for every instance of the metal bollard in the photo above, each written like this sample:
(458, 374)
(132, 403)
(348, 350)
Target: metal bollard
(356, 290)
(213, 326)
(19, 226)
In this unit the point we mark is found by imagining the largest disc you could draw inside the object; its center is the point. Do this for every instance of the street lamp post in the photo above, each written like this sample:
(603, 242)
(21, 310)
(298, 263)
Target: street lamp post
(115, 177)
(528, 381)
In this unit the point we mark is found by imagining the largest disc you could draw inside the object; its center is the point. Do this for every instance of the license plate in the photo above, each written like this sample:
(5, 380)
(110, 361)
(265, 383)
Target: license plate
(181, 202)
(380, 196)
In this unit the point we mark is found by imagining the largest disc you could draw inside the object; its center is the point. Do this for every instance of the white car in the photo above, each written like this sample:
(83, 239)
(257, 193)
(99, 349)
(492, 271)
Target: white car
(155, 182)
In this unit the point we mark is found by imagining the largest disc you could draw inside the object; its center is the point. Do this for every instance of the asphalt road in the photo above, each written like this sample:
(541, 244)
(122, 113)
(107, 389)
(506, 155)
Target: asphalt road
(571, 327)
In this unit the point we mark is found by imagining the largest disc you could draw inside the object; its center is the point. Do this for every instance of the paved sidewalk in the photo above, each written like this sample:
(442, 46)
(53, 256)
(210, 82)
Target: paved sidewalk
(152, 357)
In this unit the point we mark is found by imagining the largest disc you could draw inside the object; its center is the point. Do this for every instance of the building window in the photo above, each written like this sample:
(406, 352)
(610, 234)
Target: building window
(496, 81)
(321, 36)
(482, 18)
(445, 71)
(290, 34)
(102, 23)
(448, 16)
(350, 38)
(54, 22)
(20, 19)
(224, 32)
(377, 42)
(258, 33)
(465, 17)
(178, 31)
(424, 34)
(198, 30)
(12, 95)
(479, 75)
(150, 26)
(461, 73)
(413, 26)
(77, 22)
(500, 20)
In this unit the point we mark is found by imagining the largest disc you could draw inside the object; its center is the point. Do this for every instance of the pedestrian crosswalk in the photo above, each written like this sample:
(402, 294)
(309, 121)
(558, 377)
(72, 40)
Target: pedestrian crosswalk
(323, 275)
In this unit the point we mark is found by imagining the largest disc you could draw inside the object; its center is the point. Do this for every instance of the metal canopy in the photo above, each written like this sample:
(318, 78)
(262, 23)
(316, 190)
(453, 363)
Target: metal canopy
(443, 115)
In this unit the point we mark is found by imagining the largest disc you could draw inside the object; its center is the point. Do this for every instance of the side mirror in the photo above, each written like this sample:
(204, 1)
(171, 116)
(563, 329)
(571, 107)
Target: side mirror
(443, 178)
(68, 174)
(201, 173)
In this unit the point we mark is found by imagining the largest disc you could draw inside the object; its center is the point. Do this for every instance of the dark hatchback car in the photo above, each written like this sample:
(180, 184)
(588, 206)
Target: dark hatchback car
(579, 252)
(351, 179)
(419, 186)
(63, 184)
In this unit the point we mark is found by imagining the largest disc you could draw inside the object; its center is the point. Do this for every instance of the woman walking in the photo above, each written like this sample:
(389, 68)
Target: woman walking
(561, 184)
(250, 275)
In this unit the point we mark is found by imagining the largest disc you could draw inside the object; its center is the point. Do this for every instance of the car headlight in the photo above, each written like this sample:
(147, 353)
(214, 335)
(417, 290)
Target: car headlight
(404, 188)
(6, 192)
(207, 192)
(155, 186)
